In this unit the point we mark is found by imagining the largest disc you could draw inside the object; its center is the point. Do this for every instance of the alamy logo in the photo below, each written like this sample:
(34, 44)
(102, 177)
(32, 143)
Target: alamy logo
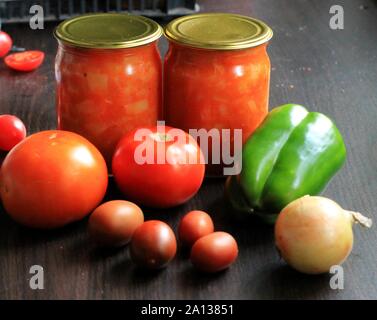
(36, 282)
(37, 20)
(337, 280)
(225, 147)
(337, 18)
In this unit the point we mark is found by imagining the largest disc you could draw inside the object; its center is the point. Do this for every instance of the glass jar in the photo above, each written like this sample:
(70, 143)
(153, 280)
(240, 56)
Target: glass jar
(108, 72)
(217, 76)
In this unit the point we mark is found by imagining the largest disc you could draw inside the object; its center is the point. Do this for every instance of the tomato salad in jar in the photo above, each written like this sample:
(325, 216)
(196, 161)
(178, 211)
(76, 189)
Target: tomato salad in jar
(108, 72)
(217, 76)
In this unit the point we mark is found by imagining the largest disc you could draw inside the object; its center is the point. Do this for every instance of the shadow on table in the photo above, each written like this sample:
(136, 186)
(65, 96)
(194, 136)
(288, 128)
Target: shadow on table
(193, 278)
(282, 282)
(24, 237)
(125, 272)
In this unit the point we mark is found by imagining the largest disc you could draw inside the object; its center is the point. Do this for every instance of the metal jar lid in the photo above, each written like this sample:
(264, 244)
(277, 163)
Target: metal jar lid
(108, 31)
(219, 31)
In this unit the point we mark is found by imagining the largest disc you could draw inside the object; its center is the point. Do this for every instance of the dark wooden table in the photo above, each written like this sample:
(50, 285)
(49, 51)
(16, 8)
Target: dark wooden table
(331, 71)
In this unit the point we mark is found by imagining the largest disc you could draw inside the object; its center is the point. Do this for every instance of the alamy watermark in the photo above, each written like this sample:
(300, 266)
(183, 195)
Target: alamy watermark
(337, 19)
(219, 146)
(337, 280)
(37, 20)
(36, 281)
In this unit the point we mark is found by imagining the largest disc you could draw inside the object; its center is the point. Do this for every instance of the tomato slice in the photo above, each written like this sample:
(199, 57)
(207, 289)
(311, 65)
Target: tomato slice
(25, 61)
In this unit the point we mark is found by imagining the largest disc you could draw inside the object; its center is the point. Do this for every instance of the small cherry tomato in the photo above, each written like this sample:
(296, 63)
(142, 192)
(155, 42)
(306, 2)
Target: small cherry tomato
(25, 61)
(214, 252)
(113, 223)
(12, 131)
(5, 43)
(193, 226)
(153, 245)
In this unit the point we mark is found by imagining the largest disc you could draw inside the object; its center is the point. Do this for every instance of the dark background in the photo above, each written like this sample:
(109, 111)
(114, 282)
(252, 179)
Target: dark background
(334, 72)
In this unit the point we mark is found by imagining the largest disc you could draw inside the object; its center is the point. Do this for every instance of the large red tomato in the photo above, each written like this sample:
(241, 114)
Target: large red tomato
(52, 178)
(158, 166)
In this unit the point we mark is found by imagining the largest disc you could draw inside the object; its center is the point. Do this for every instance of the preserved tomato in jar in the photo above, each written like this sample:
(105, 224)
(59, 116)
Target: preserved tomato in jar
(109, 73)
(217, 76)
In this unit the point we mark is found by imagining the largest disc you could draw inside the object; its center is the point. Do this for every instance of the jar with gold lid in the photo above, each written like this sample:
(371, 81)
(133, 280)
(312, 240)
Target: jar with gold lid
(108, 72)
(217, 76)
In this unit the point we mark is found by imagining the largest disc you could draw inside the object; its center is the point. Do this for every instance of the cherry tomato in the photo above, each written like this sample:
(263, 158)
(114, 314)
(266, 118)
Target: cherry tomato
(113, 223)
(193, 226)
(5, 43)
(153, 245)
(12, 131)
(25, 61)
(159, 184)
(214, 252)
(52, 178)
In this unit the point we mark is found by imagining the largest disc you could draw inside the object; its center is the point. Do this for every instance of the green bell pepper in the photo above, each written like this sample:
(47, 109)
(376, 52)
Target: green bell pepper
(293, 153)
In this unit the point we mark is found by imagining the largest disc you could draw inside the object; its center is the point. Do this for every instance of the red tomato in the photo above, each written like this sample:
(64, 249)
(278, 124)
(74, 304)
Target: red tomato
(5, 43)
(159, 184)
(153, 245)
(12, 131)
(193, 226)
(25, 61)
(113, 223)
(214, 252)
(52, 178)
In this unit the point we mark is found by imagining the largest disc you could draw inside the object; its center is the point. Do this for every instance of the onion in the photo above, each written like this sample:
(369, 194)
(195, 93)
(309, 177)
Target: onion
(313, 234)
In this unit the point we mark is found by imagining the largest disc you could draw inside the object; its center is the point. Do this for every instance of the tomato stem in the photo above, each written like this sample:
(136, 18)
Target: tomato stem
(161, 137)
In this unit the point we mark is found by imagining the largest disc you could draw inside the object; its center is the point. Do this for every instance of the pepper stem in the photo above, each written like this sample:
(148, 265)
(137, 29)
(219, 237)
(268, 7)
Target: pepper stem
(359, 218)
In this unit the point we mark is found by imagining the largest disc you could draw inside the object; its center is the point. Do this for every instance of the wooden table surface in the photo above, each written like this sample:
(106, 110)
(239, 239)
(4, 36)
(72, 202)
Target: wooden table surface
(331, 71)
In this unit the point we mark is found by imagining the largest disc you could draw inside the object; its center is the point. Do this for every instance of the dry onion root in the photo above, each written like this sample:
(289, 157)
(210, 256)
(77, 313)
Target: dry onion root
(314, 233)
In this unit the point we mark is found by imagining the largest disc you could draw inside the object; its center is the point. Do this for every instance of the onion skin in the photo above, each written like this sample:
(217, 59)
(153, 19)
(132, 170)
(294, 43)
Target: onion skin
(314, 233)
